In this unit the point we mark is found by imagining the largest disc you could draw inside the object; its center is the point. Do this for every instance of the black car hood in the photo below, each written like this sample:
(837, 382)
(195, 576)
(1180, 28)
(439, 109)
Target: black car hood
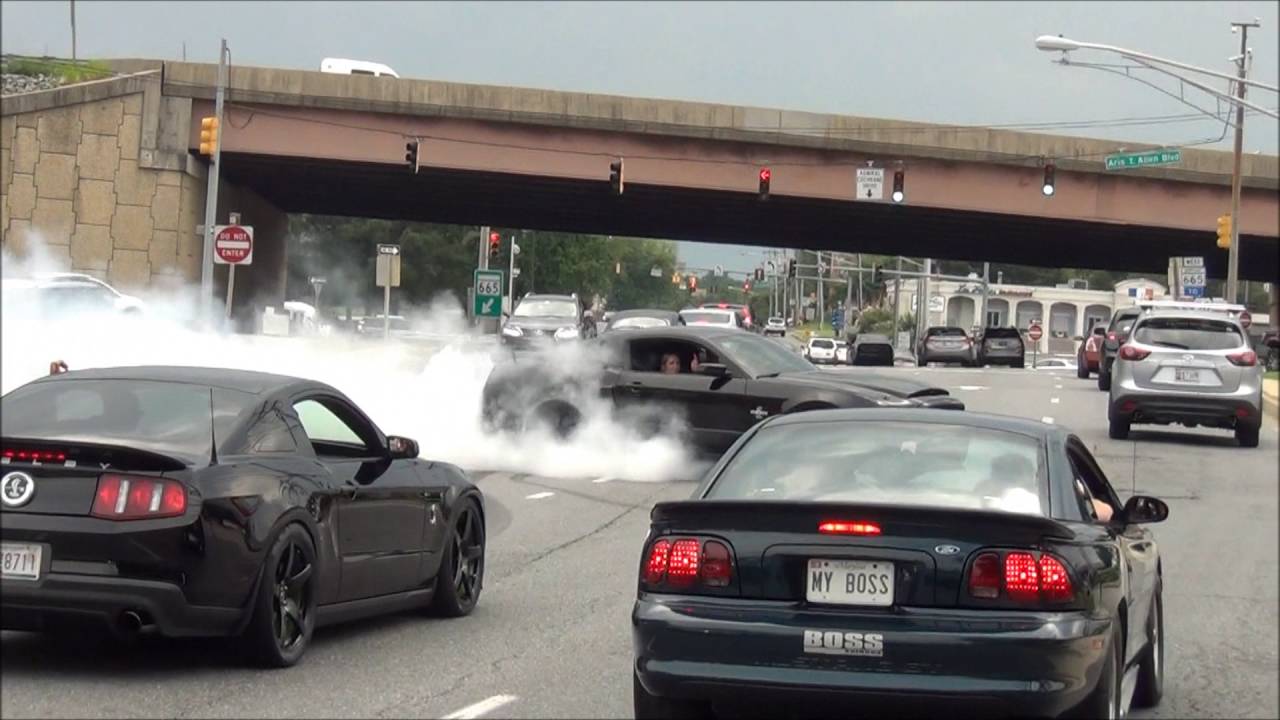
(878, 382)
(542, 323)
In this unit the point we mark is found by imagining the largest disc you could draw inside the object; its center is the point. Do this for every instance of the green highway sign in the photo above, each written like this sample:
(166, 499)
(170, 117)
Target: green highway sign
(1144, 159)
(488, 294)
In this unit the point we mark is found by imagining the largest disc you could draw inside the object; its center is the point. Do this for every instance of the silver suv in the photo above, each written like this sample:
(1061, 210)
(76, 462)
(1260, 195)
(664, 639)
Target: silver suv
(1187, 367)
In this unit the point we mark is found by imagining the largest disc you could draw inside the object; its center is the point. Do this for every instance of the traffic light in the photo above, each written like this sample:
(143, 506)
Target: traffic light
(676, 279)
(876, 276)
(1224, 231)
(791, 268)
(765, 176)
(759, 274)
(208, 136)
(1048, 181)
(615, 176)
(411, 154)
(746, 286)
(693, 283)
(495, 240)
(899, 178)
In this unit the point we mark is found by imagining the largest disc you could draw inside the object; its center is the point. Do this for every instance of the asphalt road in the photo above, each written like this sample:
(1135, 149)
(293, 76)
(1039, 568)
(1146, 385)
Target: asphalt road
(551, 636)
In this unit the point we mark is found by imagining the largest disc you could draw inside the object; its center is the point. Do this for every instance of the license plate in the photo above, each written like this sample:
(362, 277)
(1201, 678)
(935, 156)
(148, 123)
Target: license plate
(1187, 375)
(20, 561)
(850, 582)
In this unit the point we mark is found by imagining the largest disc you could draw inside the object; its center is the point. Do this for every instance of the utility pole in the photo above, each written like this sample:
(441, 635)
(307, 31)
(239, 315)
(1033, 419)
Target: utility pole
(897, 299)
(73, 32)
(822, 295)
(1233, 253)
(860, 303)
(211, 190)
(986, 291)
(482, 261)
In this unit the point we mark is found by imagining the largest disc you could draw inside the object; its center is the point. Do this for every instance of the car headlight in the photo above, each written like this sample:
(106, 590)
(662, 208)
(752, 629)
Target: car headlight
(566, 333)
(512, 331)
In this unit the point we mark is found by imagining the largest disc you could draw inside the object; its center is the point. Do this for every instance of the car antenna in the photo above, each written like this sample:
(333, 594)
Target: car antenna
(213, 437)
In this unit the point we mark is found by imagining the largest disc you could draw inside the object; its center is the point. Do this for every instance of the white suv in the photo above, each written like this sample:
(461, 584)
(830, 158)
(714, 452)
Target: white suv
(821, 350)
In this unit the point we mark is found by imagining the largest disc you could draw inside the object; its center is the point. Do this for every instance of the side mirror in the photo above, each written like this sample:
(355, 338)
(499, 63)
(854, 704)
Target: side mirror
(1142, 509)
(713, 369)
(401, 448)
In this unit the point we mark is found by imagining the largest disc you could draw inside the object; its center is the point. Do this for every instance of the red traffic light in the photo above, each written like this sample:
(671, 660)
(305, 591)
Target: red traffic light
(494, 238)
(765, 175)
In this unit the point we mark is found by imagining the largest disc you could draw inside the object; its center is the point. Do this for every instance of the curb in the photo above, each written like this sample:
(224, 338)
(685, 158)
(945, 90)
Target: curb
(1271, 406)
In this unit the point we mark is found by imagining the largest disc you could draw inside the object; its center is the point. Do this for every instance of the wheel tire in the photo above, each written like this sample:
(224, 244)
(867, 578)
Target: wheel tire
(1118, 428)
(1082, 368)
(559, 417)
(1150, 687)
(652, 707)
(461, 575)
(1247, 436)
(1019, 364)
(1104, 379)
(284, 611)
(1105, 700)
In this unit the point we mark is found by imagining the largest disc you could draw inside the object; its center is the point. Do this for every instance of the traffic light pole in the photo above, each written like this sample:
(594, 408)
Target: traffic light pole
(1233, 253)
(211, 193)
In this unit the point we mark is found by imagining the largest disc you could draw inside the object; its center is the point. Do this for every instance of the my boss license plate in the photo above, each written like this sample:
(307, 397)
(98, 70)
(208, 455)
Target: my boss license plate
(20, 561)
(850, 582)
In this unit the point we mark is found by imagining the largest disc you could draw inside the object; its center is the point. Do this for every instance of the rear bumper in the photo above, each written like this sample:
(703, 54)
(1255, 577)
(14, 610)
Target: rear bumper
(1002, 354)
(1141, 406)
(947, 356)
(60, 598)
(734, 651)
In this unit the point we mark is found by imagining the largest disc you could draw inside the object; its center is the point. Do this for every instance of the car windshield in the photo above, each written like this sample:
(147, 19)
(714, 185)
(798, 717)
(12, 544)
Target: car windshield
(1189, 333)
(163, 417)
(822, 344)
(546, 308)
(714, 318)
(759, 357)
(897, 463)
(639, 321)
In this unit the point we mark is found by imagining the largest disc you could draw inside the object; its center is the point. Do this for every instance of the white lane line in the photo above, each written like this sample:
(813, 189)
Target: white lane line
(602, 480)
(1053, 400)
(536, 496)
(484, 707)
(1047, 420)
(971, 387)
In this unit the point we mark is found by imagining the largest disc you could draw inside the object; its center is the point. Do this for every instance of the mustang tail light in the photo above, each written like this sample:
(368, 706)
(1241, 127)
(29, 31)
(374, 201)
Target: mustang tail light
(688, 564)
(1248, 358)
(130, 497)
(1129, 352)
(1020, 576)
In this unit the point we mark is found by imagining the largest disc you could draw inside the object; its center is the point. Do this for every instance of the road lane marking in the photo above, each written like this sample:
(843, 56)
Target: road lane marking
(971, 387)
(1053, 400)
(480, 709)
(537, 496)
(602, 480)
(1047, 420)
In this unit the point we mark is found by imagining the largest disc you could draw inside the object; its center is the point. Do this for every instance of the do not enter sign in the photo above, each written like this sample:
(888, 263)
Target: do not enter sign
(233, 244)
(1035, 332)
(1245, 319)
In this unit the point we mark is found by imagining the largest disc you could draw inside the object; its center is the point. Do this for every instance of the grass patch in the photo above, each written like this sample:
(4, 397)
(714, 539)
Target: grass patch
(1272, 375)
(63, 69)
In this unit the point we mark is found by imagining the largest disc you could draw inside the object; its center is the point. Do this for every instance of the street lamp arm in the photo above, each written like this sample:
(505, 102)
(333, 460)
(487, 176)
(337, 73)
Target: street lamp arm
(1053, 43)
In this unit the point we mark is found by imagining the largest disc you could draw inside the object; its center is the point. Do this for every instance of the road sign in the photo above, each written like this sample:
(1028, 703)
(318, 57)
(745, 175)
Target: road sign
(233, 244)
(870, 184)
(719, 270)
(386, 271)
(1035, 332)
(1196, 262)
(384, 249)
(655, 271)
(1245, 319)
(1149, 158)
(488, 293)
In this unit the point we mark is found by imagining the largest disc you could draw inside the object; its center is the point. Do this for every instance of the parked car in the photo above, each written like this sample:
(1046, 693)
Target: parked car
(870, 349)
(1002, 345)
(1089, 354)
(821, 351)
(52, 294)
(945, 345)
(842, 352)
(1190, 368)
(775, 326)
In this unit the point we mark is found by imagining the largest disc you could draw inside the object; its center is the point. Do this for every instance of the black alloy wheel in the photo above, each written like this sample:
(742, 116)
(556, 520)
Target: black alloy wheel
(284, 611)
(461, 576)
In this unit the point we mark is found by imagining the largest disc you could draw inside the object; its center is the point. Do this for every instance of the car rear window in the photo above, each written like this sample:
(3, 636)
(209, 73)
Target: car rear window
(823, 344)
(638, 321)
(1002, 333)
(898, 463)
(1189, 334)
(949, 331)
(164, 417)
(717, 318)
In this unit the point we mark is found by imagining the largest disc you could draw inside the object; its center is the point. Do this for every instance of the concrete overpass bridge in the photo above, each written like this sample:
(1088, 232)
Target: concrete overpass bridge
(109, 171)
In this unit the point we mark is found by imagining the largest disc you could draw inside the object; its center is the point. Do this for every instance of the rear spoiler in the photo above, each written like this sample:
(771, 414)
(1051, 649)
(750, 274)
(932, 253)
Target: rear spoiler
(94, 455)
(802, 517)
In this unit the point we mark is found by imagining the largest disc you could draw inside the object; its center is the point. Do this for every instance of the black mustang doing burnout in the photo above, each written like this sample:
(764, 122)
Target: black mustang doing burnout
(194, 501)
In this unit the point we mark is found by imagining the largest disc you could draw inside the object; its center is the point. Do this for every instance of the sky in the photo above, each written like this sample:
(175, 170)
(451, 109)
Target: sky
(962, 63)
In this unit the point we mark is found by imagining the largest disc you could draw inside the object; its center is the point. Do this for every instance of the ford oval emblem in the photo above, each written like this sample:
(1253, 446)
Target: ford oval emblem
(946, 549)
